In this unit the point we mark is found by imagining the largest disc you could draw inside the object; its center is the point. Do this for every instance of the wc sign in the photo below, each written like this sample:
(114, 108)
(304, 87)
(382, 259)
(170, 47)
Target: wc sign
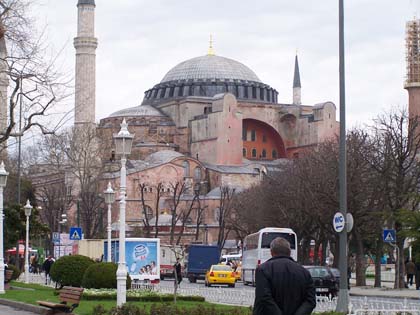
(339, 222)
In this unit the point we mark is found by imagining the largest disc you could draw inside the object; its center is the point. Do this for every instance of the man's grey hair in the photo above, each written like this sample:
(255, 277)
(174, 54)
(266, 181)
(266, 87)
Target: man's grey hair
(280, 247)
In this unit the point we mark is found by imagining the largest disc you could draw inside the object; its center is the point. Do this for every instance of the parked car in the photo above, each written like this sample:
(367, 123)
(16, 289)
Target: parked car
(220, 274)
(336, 273)
(324, 280)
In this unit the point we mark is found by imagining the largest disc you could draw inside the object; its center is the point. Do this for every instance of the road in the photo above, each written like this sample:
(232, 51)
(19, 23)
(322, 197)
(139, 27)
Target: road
(13, 311)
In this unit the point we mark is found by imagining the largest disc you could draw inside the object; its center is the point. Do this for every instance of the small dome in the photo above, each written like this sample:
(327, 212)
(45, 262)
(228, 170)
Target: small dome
(210, 67)
(164, 219)
(141, 110)
(162, 157)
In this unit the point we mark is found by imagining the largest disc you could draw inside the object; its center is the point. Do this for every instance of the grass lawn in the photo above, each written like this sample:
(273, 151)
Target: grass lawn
(85, 308)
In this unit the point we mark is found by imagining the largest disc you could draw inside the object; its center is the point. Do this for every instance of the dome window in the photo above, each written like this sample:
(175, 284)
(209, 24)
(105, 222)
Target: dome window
(254, 92)
(181, 91)
(245, 92)
(171, 91)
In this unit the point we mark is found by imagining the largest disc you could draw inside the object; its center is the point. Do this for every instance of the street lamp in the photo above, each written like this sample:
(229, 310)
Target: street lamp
(109, 199)
(28, 210)
(123, 143)
(63, 221)
(3, 181)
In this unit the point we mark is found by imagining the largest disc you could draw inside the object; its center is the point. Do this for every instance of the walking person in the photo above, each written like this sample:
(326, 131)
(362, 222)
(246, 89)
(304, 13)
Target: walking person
(283, 287)
(410, 270)
(178, 271)
(46, 266)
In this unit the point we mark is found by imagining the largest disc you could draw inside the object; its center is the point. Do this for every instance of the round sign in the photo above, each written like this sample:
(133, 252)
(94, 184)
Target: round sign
(350, 222)
(339, 222)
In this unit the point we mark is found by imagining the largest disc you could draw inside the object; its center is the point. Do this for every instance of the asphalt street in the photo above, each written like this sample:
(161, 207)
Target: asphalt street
(13, 311)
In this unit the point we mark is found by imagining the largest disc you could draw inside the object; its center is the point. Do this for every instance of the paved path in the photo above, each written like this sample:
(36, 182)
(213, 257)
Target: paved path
(13, 311)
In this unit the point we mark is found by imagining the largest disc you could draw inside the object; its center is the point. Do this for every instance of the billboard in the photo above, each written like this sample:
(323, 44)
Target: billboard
(142, 256)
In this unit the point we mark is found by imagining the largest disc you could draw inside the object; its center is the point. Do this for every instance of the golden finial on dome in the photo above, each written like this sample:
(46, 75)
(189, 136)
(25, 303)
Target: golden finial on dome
(210, 52)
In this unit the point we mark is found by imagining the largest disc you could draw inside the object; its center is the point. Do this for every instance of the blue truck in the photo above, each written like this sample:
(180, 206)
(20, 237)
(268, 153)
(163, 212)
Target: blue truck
(200, 259)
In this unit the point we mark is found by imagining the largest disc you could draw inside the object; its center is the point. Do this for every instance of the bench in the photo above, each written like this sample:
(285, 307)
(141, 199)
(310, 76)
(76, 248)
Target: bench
(69, 299)
(7, 278)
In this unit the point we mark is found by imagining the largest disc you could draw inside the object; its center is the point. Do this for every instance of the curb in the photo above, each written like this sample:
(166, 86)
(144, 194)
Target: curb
(385, 296)
(27, 307)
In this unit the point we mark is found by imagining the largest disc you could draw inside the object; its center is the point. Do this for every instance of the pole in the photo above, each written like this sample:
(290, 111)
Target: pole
(78, 213)
(27, 251)
(1, 244)
(122, 268)
(109, 229)
(343, 294)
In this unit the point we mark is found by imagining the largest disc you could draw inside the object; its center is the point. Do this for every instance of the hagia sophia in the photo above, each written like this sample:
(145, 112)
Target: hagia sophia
(210, 122)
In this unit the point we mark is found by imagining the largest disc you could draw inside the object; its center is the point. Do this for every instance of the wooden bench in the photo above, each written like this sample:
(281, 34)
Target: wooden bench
(69, 299)
(7, 278)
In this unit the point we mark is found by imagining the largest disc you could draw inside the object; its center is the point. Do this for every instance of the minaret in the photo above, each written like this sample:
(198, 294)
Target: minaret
(85, 44)
(4, 83)
(296, 84)
(412, 83)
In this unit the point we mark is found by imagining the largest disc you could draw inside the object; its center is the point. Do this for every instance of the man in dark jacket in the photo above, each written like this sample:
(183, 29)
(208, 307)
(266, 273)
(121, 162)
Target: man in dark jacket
(283, 287)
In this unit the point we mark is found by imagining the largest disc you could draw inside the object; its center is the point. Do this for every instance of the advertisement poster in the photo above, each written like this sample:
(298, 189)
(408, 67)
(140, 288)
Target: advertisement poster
(141, 256)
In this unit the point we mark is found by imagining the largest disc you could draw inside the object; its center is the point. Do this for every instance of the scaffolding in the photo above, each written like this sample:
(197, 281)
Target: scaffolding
(412, 40)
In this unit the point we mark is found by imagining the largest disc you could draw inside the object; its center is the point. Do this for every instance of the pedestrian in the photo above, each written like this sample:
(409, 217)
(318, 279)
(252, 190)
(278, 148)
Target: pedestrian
(417, 263)
(283, 287)
(410, 270)
(178, 271)
(47, 267)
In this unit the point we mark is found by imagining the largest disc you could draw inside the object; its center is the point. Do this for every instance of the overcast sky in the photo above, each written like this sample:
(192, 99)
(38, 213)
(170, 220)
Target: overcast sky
(141, 40)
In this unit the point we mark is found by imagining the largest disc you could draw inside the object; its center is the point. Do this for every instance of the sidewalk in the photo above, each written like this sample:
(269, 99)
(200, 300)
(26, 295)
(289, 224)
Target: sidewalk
(387, 290)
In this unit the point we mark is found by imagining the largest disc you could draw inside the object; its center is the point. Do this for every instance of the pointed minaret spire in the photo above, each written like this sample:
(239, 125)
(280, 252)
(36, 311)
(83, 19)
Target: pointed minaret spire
(296, 84)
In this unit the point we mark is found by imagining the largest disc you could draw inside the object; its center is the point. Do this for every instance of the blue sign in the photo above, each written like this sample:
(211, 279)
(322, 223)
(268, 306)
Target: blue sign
(56, 238)
(390, 236)
(75, 233)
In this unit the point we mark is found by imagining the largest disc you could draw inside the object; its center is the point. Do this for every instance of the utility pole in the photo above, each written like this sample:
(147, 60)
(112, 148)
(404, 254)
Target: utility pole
(343, 295)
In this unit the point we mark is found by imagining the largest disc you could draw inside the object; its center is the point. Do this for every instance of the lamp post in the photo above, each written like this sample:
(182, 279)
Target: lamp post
(60, 223)
(28, 210)
(109, 199)
(3, 181)
(123, 141)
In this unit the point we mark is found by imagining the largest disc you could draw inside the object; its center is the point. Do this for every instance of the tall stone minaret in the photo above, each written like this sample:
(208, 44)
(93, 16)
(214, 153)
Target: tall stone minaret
(85, 44)
(296, 84)
(412, 83)
(4, 83)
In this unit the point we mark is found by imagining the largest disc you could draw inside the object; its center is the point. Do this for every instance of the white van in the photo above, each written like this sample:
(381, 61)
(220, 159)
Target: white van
(236, 258)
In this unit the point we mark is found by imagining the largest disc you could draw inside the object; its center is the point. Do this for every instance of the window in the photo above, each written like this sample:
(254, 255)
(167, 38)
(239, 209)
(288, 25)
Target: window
(155, 94)
(244, 131)
(162, 93)
(217, 214)
(197, 174)
(191, 90)
(274, 154)
(264, 153)
(186, 166)
(171, 91)
(254, 153)
(253, 135)
(244, 152)
(254, 92)
(264, 138)
(148, 212)
(181, 91)
(245, 92)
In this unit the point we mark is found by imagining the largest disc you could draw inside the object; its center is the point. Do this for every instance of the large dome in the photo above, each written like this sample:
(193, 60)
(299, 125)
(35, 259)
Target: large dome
(210, 67)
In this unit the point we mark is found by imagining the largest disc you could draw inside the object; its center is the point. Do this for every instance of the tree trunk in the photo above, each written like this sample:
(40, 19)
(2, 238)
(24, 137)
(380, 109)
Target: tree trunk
(360, 261)
(378, 256)
(399, 265)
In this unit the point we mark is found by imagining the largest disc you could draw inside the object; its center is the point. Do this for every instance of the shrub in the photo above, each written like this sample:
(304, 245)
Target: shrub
(102, 276)
(16, 271)
(69, 270)
(137, 295)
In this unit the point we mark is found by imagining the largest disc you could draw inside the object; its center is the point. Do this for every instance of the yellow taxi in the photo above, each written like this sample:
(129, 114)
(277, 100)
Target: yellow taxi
(220, 274)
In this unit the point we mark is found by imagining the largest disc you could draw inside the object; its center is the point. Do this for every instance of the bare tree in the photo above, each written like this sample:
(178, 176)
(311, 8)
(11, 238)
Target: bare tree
(224, 214)
(35, 86)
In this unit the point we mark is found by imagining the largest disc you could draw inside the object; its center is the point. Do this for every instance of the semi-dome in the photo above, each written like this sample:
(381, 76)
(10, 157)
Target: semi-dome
(210, 67)
(141, 110)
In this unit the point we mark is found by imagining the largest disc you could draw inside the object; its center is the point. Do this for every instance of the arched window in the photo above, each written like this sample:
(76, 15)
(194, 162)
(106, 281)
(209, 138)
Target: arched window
(186, 166)
(264, 153)
(148, 212)
(217, 214)
(243, 152)
(197, 174)
(254, 153)
(274, 154)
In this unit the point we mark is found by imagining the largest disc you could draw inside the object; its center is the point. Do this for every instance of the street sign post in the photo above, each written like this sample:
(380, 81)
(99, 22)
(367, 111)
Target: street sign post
(75, 233)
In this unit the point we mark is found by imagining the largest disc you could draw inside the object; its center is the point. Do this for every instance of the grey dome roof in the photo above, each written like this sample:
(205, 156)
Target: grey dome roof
(141, 110)
(210, 67)
(88, 2)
